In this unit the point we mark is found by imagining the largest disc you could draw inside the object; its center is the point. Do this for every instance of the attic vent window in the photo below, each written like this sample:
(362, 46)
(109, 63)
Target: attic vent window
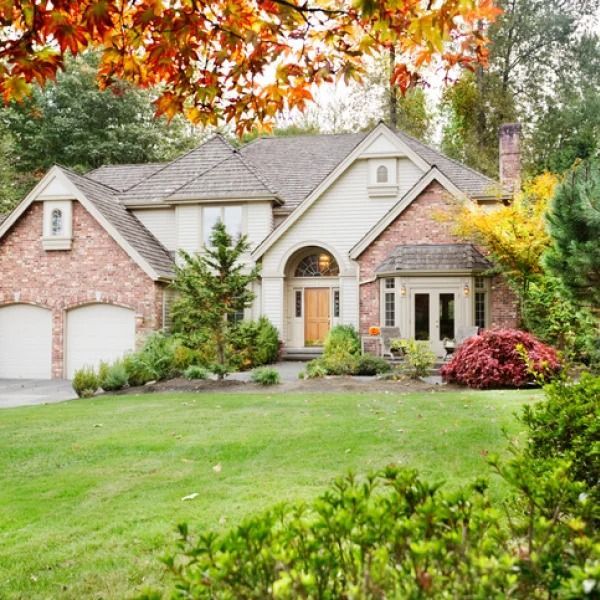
(382, 174)
(56, 222)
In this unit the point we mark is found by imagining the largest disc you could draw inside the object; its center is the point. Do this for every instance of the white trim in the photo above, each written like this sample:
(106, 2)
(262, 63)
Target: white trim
(89, 206)
(381, 129)
(432, 175)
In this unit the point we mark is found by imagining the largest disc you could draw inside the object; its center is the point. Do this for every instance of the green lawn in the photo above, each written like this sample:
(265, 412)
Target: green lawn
(91, 490)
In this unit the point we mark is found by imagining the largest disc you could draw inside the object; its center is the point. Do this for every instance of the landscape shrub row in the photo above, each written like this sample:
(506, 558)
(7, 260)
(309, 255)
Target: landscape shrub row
(162, 357)
(394, 535)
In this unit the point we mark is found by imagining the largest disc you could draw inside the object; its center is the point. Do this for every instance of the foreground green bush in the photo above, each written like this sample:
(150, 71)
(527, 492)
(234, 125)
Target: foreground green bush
(85, 382)
(255, 343)
(341, 340)
(196, 372)
(393, 535)
(113, 377)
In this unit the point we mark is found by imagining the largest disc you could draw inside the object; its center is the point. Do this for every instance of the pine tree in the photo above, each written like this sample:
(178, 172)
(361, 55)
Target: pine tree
(574, 227)
(213, 287)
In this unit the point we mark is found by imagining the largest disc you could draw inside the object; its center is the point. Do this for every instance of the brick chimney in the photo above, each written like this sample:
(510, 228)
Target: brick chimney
(510, 155)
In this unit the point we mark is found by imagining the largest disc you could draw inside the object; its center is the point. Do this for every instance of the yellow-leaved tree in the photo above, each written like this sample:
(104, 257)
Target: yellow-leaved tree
(514, 234)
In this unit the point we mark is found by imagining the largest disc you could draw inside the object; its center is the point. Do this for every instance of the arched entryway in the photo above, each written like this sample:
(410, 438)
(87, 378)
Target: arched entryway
(312, 296)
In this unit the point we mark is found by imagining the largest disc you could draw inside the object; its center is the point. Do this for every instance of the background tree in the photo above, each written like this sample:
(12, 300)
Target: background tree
(213, 287)
(13, 184)
(238, 61)
(532, 44)
(73, 123)
(574, 226)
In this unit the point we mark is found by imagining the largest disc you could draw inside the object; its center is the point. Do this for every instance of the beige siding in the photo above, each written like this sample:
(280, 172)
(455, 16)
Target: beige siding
(161, 223)
(272, 301)
(337, 220)
(259, 222)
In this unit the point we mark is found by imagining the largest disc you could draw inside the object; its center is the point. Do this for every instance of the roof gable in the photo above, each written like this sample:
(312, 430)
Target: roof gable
(101, 202)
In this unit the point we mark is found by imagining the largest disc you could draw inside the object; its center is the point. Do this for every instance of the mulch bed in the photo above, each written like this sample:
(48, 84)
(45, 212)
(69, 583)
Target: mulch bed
(323, 385)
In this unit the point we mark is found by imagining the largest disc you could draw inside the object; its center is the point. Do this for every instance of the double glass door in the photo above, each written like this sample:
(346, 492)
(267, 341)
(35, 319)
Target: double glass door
(433, 317)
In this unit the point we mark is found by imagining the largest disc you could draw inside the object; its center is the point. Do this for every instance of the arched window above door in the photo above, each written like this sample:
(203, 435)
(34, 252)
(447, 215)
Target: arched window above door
(320, 264)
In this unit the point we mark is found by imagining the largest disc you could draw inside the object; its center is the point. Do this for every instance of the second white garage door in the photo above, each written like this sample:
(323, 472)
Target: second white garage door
(98, 332)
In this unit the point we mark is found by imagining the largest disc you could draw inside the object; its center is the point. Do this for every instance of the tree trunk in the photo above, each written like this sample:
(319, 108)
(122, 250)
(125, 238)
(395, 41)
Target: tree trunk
(393, 95)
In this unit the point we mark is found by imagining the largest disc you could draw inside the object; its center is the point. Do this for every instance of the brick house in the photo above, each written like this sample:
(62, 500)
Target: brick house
(344, 227)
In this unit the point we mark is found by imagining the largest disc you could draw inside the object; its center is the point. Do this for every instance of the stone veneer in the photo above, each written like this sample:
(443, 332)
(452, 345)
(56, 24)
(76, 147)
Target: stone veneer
(96, 269)
(418, 225)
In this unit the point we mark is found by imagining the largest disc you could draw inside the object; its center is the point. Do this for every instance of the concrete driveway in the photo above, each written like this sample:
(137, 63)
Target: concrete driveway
(25, 392)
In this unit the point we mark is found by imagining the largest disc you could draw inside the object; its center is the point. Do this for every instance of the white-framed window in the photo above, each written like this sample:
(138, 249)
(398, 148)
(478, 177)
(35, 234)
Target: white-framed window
(230, 215)
(382, 174)
(389, 302)
(480, 302)
(56, 222)
(298, 303)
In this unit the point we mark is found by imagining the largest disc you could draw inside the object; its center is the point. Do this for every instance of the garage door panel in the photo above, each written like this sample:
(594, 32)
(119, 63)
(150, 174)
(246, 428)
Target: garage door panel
(25, 342)
(98, 332)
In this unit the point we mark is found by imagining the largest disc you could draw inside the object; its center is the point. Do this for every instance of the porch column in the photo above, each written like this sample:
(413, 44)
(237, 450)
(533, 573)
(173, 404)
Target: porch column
(349, 300)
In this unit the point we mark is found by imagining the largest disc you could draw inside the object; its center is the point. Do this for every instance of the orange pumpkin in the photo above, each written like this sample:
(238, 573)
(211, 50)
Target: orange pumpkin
(374, 330)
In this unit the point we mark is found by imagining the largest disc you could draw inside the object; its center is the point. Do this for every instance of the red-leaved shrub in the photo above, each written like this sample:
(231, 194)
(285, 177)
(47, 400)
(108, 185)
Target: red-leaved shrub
(491, 359)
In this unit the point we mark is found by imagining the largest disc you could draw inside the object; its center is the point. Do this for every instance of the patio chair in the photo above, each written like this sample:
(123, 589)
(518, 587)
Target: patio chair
(387, 335)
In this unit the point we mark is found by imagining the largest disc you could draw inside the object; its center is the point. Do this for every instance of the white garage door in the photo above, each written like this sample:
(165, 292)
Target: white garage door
(98, 332)
(25, 342)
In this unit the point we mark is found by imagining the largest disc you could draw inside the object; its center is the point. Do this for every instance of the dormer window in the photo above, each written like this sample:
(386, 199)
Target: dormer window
(382, 174)
(56, 222)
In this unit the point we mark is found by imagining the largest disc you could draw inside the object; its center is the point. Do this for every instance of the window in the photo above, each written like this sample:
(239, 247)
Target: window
(210, 216)
(56, 222)
(236, 317)
(317, 265)
(389, 302)
(382, 174)
(480, 302)
(336, 303)
(298, 303)
(230, 215)
(480, 312)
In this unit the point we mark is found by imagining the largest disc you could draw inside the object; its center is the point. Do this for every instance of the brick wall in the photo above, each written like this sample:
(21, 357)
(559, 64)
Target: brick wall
(418, 225)
(96, 269)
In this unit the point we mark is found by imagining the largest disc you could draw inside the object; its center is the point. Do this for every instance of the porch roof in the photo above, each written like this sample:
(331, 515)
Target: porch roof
(416, 258)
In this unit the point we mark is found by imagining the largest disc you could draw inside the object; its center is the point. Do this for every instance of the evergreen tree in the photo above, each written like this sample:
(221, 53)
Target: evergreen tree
(574, 227)
(213, 287)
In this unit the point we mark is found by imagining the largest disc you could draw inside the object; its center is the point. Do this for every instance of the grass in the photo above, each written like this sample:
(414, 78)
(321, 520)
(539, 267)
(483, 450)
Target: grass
(91, 490)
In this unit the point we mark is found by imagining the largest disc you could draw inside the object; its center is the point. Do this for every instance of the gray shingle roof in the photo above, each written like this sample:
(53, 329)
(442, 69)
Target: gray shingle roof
(434, 257)
(470, 182)
(126, 223)
(172, 176)
(294, 166)
(122, 177)
(232, 177)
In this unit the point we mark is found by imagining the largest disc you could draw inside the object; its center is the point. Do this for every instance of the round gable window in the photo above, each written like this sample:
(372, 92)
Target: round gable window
(317, 265)
(56, 222)
(382, 174)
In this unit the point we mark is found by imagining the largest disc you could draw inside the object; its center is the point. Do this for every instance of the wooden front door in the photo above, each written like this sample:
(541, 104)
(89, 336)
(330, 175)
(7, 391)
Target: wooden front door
(316, 315)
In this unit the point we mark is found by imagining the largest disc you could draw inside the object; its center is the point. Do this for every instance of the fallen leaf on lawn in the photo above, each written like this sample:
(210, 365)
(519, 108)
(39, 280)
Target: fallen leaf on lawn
(217, 468)
(98, 425)
(484, 452)
(347, 450)
(187, 460)
(222, 521)
(190, 496)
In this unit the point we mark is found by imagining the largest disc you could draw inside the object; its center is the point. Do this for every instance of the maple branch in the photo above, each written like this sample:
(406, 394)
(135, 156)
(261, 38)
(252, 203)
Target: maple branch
(304, 8)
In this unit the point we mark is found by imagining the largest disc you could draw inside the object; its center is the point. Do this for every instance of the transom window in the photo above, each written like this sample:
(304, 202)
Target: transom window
(56, 222)
(382, 174)
(317, 265)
